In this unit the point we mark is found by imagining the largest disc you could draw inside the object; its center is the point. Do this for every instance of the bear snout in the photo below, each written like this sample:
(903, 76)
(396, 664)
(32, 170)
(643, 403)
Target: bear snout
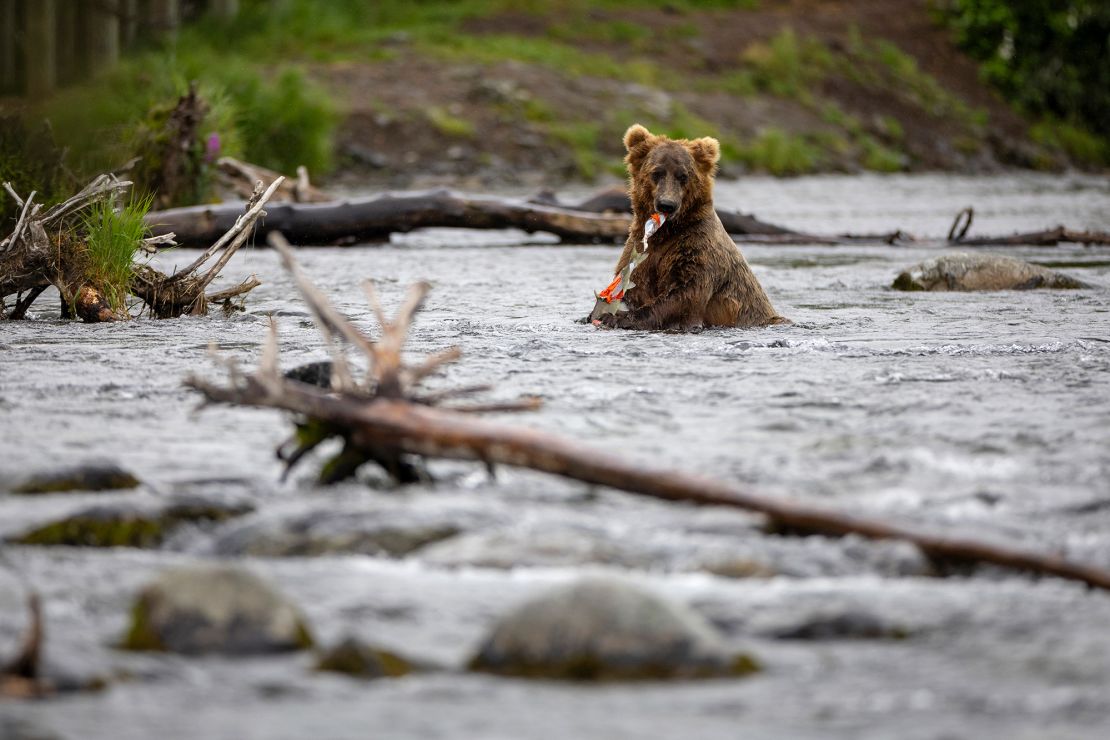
(666, 206)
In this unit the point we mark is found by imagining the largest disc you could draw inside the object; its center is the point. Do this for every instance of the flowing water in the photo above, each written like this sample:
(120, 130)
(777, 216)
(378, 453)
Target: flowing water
(982, 414)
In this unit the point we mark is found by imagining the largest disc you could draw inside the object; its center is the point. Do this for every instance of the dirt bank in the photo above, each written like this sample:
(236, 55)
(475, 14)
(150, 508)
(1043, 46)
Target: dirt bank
(539, 97)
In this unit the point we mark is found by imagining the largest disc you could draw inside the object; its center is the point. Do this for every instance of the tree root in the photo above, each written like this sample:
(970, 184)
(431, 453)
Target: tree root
(381, 418)
(31, 260)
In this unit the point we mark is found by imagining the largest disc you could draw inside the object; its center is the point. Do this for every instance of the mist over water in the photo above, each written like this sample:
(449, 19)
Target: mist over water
(985, 414)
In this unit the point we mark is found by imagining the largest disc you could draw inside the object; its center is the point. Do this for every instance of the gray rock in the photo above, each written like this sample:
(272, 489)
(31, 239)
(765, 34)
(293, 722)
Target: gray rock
(961, 271)
(534, 547)
(380, 532)
(97, 476)
(214, 609)
(355, 658)
(841, 625)
(604, 629)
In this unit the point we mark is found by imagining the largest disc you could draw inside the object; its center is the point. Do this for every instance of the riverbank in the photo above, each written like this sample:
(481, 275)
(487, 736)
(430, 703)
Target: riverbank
(481, 94)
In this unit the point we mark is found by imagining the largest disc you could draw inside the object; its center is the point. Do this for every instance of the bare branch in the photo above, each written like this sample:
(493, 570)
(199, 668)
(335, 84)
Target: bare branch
(11, 192)
(431, 364)
(268, 365)
(253, 213)
(22, 216)
(244, 287)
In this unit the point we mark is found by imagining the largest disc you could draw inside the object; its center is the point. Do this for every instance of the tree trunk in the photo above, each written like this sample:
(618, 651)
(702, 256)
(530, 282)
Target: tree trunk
(226, 9)
(71, 67)
(9, 79)
(103, 36)
(40, 48)
(128, 22)
(163, 16)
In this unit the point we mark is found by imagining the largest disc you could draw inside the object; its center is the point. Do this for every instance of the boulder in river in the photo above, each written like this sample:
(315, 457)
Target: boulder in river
(128, 525)
(962, 271)
(604, 629)
(854, 624)
(214, 609)
(97, 476)
(356, 658)
(395, 532)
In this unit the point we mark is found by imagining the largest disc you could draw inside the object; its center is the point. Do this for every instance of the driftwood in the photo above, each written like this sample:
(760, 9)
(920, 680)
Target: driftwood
(616, 200)
(368, 219)
(957, 235)
(31, 260)
(381, 415)
(237, 179)
(46, 249)
(183, 293)
(601, 218)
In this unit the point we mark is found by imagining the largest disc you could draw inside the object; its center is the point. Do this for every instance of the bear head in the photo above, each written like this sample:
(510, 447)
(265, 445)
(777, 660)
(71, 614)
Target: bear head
(673, 177)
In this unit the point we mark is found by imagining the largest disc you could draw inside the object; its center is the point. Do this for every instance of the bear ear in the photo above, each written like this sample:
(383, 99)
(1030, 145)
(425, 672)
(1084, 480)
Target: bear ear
(639, 143)
(635, 135)
(706, 152)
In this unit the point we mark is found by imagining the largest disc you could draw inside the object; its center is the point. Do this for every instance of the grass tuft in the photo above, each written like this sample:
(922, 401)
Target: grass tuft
(112, 239)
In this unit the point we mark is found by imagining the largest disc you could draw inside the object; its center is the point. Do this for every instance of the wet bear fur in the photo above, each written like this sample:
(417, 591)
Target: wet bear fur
(694, 274)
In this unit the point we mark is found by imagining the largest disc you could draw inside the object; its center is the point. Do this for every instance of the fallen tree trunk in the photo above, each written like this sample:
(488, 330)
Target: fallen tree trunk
(616, 200)
(367, 219)
(602, 218)
(381, 416)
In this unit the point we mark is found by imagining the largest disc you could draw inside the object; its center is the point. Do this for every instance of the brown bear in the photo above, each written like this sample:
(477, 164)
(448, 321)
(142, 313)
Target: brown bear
(694, 274)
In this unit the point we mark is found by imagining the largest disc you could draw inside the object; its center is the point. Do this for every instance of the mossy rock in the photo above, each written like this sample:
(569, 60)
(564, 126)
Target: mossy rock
(214, 609)
(355, 658)
(607, 630)
(962, 271)
(107, 526)
(91, 477)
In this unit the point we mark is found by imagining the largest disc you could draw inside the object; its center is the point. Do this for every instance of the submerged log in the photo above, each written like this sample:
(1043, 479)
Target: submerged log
(382, 416)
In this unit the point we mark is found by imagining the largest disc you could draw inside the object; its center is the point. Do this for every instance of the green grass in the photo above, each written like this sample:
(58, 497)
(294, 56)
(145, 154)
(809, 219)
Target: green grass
(112, 239)
(779, 153)
(788, 65)
(277, 121)
(550, 53)
(31, 161)
(1079, 143)
(449, 124)
(582, 139)
(880, 158)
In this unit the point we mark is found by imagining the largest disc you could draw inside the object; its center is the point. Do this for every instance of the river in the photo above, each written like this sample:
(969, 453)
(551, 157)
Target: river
(982, 414)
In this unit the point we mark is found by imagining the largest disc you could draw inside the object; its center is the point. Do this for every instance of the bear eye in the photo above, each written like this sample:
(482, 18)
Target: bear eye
(681, 177)
(657, 175)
